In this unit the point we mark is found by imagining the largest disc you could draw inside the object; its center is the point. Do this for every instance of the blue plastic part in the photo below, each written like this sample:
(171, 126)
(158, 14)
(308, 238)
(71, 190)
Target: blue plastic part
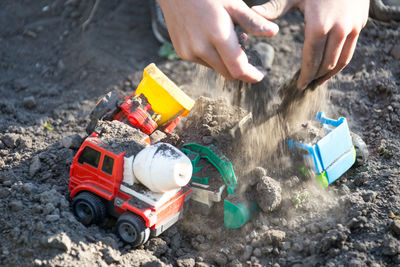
(334, 153)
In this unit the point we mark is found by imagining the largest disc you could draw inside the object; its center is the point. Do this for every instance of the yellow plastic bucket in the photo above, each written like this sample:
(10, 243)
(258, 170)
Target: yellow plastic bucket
(164, 96)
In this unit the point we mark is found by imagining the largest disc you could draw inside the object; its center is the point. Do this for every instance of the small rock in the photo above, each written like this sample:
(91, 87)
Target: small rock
(52, 217)
(10, 140)
(257, 252)
(287, 245)
(111, 256)
(35, 165)
(73, 141)
(186, 261)
(25, 142)
(58, 241)
(157, 245)
(70, 118)
(235, 263)
(248, 250)
(395, 52)
(21, 84)
(207, 139)
(395, 227)
(28, 188)
(267, 249)
(16, 205)
(48, 208)
(29, 102)
(200, 238)
(268, 194)
(267, 53)
(390, 246)
(274, 236)
(369, 196)
(220, 259)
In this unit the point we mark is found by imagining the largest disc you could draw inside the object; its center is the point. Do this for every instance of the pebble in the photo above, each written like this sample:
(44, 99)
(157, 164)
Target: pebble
(157, 246)
(29, 102)
(59, 241)
(390, 246)
(35, 165)
(235, 263)
(207, 139)
(52, 217)
(16, 205)
(268, 194)
(25, 142)
(267, 53)
(186, 261)
(395, 52)
(73, 141)
(10, 140)
(248, 250)
(257, 252)
(220, 259)
(395, 227)
(111, 256)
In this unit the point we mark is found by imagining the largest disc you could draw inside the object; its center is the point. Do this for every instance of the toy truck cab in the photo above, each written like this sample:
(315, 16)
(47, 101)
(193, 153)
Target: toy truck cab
(105, 179)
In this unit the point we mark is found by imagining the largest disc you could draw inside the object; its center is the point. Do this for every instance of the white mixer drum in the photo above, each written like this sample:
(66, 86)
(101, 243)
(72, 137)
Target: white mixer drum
(162, 167)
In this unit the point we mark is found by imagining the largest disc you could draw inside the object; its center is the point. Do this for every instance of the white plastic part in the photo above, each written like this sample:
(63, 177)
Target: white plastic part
(129, 178)
(162, 167)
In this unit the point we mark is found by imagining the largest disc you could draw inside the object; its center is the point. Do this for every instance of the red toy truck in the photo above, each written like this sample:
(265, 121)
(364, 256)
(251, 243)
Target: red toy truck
(157, 103)
(117, 172)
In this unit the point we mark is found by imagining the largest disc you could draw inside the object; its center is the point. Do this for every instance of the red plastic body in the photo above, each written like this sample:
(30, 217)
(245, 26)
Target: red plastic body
(84, 177)
(138, 116)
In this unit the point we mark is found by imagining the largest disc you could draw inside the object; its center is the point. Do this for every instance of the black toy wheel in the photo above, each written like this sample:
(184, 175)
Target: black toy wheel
(361, 149)
(132, 229)
(105, 109)
(88, 208)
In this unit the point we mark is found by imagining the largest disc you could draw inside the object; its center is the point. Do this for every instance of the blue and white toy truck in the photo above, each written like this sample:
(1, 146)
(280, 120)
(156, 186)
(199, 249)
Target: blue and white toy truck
(334, 153)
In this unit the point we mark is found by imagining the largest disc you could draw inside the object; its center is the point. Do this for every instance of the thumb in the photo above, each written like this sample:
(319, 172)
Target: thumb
(250, 21)
(274, 8)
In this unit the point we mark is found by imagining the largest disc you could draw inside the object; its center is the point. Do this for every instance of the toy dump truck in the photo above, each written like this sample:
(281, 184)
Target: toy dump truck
(333, 154)
(117, 172)
(157, 103)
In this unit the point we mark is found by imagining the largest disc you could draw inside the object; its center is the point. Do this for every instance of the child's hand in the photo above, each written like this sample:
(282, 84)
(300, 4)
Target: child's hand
(331, 32)
(202, 31)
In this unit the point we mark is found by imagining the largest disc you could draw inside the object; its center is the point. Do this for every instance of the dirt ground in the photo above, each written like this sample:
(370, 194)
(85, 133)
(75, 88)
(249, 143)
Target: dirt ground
(52, 74)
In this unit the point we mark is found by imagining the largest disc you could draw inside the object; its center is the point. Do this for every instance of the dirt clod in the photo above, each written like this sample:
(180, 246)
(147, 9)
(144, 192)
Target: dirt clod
(268, 194)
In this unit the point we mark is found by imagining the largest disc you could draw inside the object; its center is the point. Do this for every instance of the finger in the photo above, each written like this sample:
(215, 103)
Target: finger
(250, 21)
(214, 61)
(236, 61)
(345, 57)
(314, 46)
(274, 8)
(334, 44)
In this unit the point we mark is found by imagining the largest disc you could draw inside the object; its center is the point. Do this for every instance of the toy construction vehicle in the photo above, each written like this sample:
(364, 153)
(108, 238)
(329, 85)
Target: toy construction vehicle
(156, 103)
(143, 186)
(333, 154)
(208, 188)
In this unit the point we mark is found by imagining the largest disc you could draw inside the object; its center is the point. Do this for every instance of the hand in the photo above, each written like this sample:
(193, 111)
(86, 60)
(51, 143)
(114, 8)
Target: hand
(202, 31)
(331, 32)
